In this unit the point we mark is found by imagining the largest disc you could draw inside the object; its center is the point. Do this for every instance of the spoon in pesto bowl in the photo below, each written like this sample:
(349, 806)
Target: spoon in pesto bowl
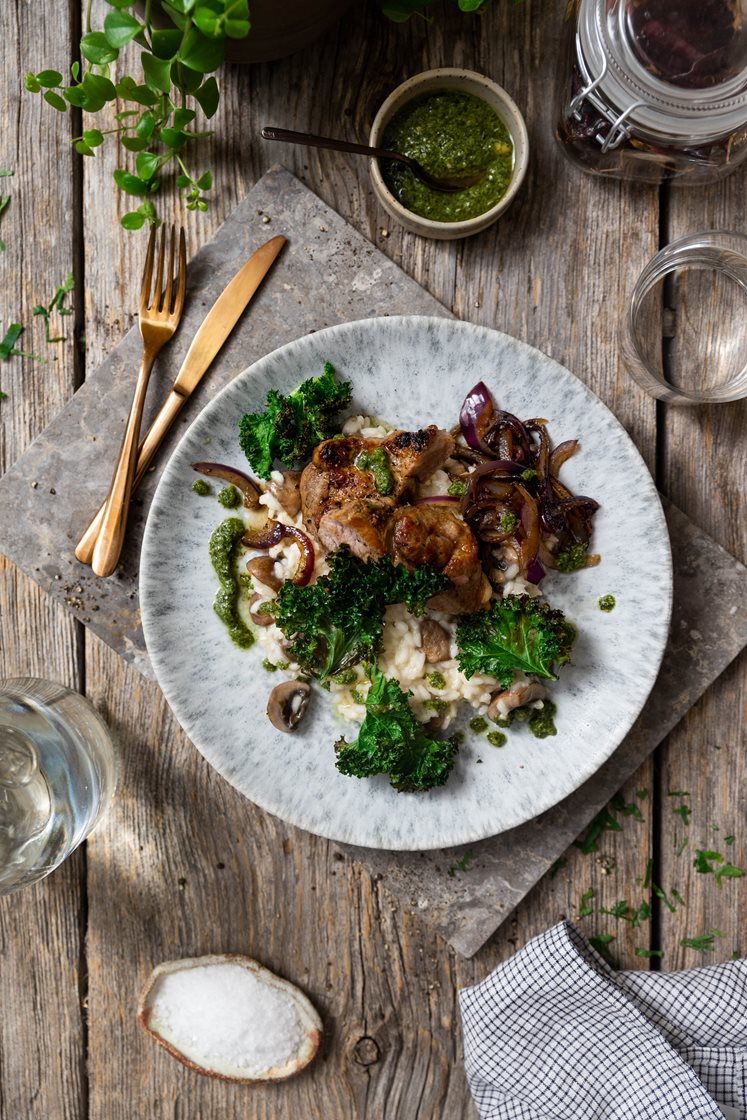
(446, 184)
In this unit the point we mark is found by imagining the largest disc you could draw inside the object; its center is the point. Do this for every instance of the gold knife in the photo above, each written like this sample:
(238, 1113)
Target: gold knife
(213, 332)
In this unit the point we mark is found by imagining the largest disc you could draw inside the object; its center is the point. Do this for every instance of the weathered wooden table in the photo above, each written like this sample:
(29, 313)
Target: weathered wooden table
(182, 864)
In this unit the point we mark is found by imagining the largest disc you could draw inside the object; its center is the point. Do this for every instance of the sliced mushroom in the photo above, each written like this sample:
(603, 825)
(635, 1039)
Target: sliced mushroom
(260, 618)
(287, 704)
(288, 492)
(434, 641)
(517, 696)
(263, 569)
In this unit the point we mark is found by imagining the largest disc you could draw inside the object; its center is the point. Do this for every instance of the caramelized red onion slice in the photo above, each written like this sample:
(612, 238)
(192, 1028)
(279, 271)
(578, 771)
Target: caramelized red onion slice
(273, 533)
(438, 500)
(249, 489)
(561, 453)
(475, 415)
(535, 573)
(306, 548)
(268, 536)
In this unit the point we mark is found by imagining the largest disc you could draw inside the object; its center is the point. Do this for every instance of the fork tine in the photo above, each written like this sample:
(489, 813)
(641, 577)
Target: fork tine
(148, 271)
(165, 306)
(155, 303)
(181, 284)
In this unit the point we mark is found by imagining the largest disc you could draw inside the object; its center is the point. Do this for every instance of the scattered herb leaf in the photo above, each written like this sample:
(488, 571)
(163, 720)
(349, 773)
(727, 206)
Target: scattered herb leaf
(462, 864)
(584, 908)
(701, 944)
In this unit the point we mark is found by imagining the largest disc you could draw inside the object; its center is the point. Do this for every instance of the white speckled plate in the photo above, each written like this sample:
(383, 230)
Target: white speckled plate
(413, 371)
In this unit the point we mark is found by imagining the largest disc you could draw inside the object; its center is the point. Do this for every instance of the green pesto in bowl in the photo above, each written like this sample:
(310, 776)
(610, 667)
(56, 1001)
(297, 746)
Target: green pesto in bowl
(449, 133)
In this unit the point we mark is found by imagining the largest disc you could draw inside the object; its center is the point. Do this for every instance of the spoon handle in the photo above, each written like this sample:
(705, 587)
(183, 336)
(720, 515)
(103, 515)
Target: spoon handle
(309, 139)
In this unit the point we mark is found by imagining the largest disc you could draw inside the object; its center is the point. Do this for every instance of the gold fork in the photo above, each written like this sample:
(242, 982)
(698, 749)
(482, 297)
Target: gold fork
(159, 315)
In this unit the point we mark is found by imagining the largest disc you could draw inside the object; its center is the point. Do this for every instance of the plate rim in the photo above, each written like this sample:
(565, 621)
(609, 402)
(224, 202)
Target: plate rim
(466, 836)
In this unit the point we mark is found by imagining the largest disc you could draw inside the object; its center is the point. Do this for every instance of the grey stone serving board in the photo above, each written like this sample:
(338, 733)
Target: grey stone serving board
(328, 273)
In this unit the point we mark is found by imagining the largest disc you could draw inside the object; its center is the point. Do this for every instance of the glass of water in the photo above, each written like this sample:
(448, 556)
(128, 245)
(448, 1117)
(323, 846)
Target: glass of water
(684, 338)
(58, 771)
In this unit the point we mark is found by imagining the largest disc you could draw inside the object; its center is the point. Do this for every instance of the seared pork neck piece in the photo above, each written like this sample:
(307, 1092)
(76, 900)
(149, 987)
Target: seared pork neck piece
(436, 536)
(341, 504)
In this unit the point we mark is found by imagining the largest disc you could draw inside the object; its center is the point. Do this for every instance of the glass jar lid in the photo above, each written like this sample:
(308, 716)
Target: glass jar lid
(669, 71)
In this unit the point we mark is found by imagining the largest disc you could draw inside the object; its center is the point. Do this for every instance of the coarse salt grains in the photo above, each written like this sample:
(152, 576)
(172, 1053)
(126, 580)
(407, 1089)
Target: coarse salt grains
(224, 1012)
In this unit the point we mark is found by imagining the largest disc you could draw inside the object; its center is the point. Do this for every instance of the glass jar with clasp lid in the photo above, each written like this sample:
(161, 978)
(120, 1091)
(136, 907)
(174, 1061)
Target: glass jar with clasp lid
(655, 89)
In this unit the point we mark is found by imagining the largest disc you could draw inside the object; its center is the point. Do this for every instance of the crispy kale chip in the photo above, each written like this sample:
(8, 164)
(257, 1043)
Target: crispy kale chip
(337, 621)
(290, 427)
(517, 634)
(392, 741)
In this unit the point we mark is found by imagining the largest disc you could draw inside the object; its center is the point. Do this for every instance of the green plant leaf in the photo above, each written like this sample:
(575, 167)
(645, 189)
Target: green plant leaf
(183, 117)
(93, 137)
(146, 124)
(205, 181)
(75, 95)
(75, 69)
(120, 3)
(133, 219)
(55, 101)
(179, 7)
(208, 97)
(31, 84)
(157, 72)
(201, 54)
(129, 183)
(173, 138)
(209, 21)
(237, 28)
(96, 49)
(147, 165)
(165, 42)
(183, 180)
(83, 149)
(49, 78)
(120, 27)
(133, 144)
(128, 89)
(97, 87)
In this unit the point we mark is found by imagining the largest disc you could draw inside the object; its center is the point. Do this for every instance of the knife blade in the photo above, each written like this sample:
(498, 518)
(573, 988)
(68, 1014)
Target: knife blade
(211, 335)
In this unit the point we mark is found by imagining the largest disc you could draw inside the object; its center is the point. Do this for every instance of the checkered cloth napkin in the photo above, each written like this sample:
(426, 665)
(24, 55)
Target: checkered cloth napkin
(556, 1034)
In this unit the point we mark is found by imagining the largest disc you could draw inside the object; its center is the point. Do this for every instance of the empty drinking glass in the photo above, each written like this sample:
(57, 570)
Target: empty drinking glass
(58, 770)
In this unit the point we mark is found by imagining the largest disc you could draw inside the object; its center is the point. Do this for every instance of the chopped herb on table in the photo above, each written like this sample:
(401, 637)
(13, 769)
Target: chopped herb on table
(57, 303)
(4, 204)
(584, 909)
(703, 944)
(462, 864)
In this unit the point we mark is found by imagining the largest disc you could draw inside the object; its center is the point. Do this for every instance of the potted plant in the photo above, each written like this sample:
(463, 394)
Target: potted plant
(181, 43)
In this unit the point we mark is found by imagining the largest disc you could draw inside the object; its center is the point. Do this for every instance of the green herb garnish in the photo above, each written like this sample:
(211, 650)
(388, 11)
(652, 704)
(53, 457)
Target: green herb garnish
(457, 488)
(57, 303)
(392, 741)
(201, 487)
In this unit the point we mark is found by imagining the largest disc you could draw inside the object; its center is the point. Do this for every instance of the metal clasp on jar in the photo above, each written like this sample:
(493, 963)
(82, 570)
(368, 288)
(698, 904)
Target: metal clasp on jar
(619, 130)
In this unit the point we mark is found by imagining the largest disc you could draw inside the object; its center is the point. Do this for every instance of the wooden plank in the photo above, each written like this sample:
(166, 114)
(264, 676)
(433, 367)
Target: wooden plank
(705, 472)
(42, 982)
(196, 868)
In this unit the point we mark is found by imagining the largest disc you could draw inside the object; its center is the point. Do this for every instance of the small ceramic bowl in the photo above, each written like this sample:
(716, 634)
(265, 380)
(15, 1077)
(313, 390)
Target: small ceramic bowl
(462, 81)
